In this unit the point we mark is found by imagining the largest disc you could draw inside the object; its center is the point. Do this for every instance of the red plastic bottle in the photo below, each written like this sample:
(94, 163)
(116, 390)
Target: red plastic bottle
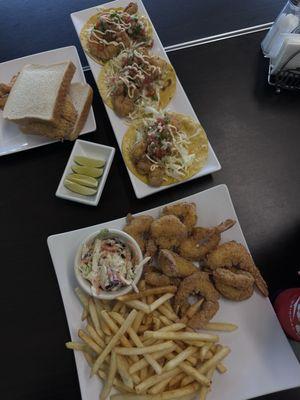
(287, 308)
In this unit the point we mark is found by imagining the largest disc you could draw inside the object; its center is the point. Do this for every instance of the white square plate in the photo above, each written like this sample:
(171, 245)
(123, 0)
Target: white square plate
(12, 139)
(91, 150)
(261, 360)
(179, 103)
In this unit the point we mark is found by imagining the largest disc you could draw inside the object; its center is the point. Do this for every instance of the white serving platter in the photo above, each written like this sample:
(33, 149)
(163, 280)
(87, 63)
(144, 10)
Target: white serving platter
(12, 139)
(261, 360)
(91, 150)
(179, 103)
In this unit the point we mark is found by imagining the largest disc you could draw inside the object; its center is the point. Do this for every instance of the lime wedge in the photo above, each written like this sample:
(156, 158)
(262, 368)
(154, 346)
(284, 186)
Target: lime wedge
(89, 162)
(89, 171)
(75, 187)
(83, 180)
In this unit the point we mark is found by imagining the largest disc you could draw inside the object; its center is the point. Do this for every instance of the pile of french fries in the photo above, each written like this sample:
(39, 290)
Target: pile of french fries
(138, 345)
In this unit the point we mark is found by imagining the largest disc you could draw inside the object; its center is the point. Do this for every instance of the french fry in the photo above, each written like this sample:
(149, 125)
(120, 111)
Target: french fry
(165, 320)
(108, 383)
(220, 326)
(195, 374)
(144, 373)
(150, 299)
(136, 340)
(143, 350)
(123, 309)
(114, 340)
(94, 335)
(139, 305)
(117, 306)
(203, 351)
(167, 313)
(177, 360)
(114, 328)
(181, 336)
(221, 368)
(198, 343)
(176, 379)
(168, 305)
(160, 387)
(143, 363)
(160, 301)
(102, 374)
(204, 389)
(138, 320)
(80, 347)
(84, 314)
(122, 367)
(156, 323)
(148, 292)
(89, 341)
(194, 308)
(94, 316)
(155, 379)
(99, 307)
(173, 327)
(143, 328)
(212, 362)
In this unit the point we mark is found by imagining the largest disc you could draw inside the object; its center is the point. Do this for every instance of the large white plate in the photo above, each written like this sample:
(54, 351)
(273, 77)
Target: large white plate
(179, 103)
(12, 139)
(261, 360)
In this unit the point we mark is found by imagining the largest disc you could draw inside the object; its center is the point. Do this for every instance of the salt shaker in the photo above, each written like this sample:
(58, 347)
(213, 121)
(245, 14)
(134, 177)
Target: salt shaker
(288, 21)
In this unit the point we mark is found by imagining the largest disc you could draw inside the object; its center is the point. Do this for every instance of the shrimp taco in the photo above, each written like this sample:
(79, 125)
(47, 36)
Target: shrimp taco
(134, 80)
(165, 148)
(112, 30)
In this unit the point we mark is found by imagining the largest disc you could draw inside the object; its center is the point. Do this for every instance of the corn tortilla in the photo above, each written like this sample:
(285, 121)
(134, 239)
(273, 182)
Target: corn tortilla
(91, 22)
(198, 146)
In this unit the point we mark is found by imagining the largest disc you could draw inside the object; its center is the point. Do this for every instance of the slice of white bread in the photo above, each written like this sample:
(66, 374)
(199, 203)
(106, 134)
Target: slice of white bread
(82, 97)
(73, 115)
(39, 93)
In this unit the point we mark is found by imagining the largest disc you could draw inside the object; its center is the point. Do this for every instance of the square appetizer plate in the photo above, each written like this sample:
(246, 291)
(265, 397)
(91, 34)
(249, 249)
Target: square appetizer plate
(179, 103)
(12, 139)
(261, 360)
(91, 150)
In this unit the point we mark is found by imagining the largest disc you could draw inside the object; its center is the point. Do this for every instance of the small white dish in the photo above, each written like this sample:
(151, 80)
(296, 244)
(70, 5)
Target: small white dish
(129, 241)
(12, 139)
(92, 150)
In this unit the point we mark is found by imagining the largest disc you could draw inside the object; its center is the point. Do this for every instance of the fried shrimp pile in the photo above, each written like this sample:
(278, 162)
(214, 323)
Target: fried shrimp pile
(191, 258)
(233, 254)
(197, 284)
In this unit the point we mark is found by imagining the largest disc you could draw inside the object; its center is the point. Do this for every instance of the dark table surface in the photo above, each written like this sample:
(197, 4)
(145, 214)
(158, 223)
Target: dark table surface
(253, 131)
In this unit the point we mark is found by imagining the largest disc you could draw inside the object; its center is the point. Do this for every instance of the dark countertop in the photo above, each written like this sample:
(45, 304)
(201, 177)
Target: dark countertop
(253, 131)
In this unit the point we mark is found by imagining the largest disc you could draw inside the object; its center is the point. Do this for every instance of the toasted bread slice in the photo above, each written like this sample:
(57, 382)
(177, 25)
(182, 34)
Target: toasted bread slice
(73, 117)
(39, 93)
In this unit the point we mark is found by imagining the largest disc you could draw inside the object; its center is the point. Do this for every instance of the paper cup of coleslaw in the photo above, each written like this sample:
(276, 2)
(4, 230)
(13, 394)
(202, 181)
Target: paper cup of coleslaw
(108, 264)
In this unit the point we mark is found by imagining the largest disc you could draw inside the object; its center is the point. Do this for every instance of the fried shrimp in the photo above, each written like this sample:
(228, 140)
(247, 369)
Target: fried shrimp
(234, 254)
(197, 284)
(168, 231)
(138, 228)
(158, 279)
(171, 264)
(233, 293)
(186, 212)
(203, 240)
(233, 284)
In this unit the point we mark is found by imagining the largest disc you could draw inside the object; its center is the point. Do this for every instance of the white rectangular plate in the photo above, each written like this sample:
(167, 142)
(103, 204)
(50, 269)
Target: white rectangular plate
(261, 360)
(12, 139)
(91, 150)
(179, 103)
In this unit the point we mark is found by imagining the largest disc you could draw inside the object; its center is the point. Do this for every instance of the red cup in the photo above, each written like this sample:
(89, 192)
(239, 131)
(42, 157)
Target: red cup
(287, 308)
